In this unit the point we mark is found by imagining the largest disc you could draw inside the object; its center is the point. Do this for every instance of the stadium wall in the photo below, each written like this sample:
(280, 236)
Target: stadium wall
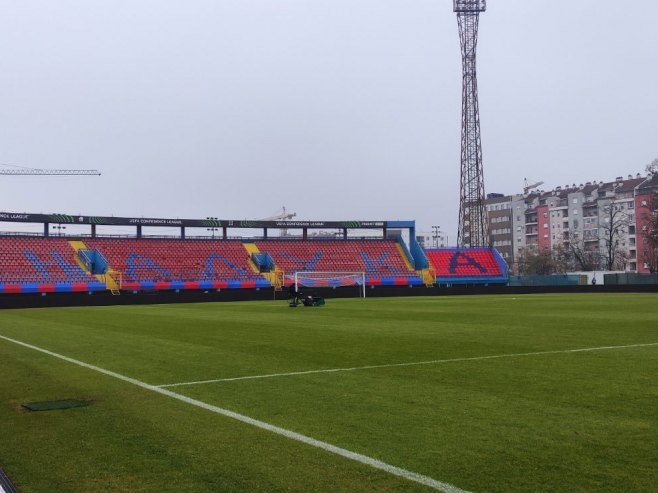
(50, 300)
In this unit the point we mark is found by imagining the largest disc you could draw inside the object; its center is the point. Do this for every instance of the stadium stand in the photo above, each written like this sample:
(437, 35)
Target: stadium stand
(39, 264)
(47, 264)
(381, 260)
(468, 266)
(165, 260)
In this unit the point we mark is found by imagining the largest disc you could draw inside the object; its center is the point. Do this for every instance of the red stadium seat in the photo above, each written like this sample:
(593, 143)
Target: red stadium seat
(176, 260)
(377, 258)
(34, 259)
(465, 262)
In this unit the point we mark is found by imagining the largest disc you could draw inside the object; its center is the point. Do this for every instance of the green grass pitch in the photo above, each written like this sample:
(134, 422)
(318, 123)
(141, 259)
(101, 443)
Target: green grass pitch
(484, 393)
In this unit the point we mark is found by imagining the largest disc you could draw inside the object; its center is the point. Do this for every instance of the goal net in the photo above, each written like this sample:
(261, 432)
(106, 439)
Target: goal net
(330, 279)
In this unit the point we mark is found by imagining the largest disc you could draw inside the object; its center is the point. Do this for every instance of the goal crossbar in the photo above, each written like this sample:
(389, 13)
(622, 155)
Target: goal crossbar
(331, 279)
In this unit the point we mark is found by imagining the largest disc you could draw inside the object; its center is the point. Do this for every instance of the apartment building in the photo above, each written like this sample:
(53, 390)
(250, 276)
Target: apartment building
(604, 219)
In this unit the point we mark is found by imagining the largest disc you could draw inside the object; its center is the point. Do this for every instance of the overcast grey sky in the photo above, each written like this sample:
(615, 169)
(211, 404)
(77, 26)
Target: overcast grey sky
(337, 109)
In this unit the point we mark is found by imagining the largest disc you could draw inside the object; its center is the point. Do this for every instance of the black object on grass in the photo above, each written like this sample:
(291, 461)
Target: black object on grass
(52, 405)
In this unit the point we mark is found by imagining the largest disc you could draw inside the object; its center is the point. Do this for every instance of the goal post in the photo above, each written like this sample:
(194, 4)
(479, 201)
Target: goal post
(330, 279)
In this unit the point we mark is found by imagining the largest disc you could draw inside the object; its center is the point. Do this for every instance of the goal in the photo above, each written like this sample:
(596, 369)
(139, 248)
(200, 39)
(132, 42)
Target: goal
(330, 279)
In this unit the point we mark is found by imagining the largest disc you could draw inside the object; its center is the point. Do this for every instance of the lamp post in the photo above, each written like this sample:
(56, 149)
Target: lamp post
(212, 229)
(440, 239)
(435, 235)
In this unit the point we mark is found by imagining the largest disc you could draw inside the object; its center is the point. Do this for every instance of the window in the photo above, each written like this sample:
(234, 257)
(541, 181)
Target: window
(631, 205)
(575, 223)
(575, 201)
(575, 212)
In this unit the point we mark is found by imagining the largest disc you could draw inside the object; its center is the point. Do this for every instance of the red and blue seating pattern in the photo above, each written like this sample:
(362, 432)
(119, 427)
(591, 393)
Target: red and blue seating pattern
(179, 264)
(36, 264)
(42, 265)
(381, 260)
(468, 266)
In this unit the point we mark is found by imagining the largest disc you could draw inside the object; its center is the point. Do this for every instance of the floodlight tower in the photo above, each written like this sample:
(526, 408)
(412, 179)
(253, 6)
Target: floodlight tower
(472, 214)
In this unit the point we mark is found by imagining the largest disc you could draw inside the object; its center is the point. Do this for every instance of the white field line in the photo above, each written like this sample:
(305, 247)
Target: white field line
(348, 454)
(414, 363)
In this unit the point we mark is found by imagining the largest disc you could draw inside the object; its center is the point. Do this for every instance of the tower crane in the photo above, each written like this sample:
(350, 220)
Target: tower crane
(20, 170)
(283, 216)
(527, 187)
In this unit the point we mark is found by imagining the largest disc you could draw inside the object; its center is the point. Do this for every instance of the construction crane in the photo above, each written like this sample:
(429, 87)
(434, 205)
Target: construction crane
(19, 170)
(284, 215)
(527, 187)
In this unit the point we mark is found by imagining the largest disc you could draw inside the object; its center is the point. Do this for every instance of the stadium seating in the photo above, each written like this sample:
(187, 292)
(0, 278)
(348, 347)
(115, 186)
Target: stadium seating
(468, 265)
(39, 260)
(380, 260)
(42, 264)
(176, 260)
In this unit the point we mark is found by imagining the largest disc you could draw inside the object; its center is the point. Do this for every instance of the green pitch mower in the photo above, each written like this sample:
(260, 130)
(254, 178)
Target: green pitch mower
(306, 301)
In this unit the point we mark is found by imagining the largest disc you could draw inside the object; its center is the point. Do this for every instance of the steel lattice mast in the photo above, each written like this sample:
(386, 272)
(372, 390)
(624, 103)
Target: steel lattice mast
(472, 214)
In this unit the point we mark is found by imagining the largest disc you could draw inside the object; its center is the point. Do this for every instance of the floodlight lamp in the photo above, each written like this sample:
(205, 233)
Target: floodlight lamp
(470, 5)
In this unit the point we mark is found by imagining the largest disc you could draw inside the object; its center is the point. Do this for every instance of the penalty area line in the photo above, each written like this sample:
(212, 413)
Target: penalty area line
(348, 454)
(413, 363)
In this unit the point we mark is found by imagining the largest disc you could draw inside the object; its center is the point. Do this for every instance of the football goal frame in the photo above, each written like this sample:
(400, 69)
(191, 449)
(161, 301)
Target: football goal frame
(330, 279)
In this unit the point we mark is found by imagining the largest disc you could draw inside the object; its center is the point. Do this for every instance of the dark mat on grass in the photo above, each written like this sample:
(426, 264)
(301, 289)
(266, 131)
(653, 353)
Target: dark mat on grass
(52, 405)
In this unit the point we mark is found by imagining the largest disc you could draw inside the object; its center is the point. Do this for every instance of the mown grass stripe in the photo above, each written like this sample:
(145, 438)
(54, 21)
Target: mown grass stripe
(413, 363)
(348, 454)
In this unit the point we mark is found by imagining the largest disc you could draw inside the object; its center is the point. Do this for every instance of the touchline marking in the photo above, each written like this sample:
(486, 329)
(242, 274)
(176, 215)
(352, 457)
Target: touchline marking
(414, 363)
(348, 454)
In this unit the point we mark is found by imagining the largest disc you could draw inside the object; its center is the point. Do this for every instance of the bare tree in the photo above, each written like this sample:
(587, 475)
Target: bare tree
(613, 229)
(532, 261)
(563, 260)
(652, 167)
(580, 255)
(648, 221)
